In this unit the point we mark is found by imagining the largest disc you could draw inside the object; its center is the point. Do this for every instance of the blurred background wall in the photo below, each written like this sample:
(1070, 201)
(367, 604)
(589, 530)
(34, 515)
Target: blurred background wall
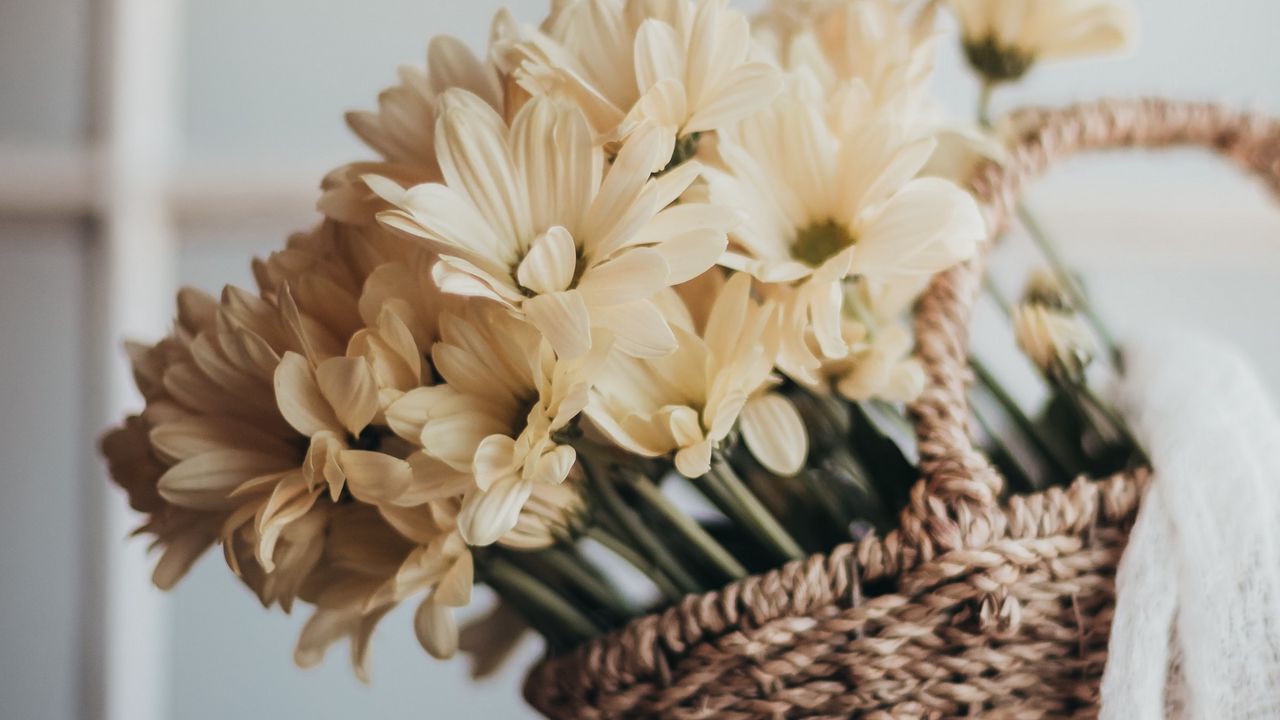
(223, 116)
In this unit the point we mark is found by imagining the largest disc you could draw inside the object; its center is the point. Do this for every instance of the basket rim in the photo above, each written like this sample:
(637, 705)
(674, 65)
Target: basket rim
(647, 647)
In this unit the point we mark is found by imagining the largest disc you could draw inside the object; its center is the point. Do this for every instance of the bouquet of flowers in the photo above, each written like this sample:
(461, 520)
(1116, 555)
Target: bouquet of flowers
(626, 296)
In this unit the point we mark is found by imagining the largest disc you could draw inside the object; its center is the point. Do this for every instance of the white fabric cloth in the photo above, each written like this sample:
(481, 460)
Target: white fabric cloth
(1197, 625)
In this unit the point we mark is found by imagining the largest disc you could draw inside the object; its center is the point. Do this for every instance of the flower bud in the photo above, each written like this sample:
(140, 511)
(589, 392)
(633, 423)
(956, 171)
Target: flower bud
(1054, 339)
(1044, 288)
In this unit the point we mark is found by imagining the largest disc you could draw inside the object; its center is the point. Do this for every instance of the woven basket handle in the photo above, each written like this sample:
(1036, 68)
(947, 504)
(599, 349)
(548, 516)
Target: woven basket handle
(954, 505)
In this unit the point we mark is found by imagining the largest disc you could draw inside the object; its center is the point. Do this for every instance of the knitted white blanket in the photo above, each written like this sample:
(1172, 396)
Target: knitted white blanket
(1197, 625)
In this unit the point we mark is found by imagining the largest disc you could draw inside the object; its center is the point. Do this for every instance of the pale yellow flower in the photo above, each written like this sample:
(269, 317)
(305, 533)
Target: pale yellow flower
(361, 552)
(824, 205)
(687, 402)
(682, 66)
(211, 457)
(402, 129)
(1004, 38)
(879, 367)
(1053, 338)
(529, 218)
(504, 397)
(872, 50)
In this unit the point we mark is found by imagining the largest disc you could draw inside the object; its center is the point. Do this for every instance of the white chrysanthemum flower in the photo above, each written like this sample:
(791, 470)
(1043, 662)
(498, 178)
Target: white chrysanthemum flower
(870, 48)
(682, 66)
(687, 402)
(528, 217)
(824, 205)
(402, 129)
(504, 397)
(1004, 38)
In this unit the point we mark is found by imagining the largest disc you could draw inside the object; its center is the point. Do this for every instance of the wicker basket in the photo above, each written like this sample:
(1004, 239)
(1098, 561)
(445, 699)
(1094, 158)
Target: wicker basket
(970, 608)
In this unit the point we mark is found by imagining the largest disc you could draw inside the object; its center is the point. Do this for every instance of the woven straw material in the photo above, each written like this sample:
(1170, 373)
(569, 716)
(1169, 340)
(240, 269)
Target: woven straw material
(970, 608)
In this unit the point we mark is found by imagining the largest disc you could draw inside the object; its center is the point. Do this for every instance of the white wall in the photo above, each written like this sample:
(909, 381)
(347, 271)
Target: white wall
(265, 85)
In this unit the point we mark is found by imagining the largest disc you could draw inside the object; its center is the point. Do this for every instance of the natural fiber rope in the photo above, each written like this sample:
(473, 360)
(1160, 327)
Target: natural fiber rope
(958, 505)
(637, 661)
(991, 612)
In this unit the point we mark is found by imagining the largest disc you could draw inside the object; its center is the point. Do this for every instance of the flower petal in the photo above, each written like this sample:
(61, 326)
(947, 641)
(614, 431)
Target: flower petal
(550, 263)
(487, 515)
(658, 53)
(639, 328)
(928, 226)
(374, 477)
(475, 157)
(206, 481)
(299, 398)
(694, 461)
(347, 384)
(495, 458)
(436, 629)
(630, 275)
(563, 319)
(747, 89)
(775, 434)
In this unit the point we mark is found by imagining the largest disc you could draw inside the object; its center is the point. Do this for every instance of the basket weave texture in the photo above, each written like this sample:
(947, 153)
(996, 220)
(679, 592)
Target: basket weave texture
(972, 607)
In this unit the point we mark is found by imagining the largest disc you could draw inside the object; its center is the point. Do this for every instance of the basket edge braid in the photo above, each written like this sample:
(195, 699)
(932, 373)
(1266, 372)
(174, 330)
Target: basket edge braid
(953, 521)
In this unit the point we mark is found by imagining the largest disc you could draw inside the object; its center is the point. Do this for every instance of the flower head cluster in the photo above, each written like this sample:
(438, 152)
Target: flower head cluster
(636, 221)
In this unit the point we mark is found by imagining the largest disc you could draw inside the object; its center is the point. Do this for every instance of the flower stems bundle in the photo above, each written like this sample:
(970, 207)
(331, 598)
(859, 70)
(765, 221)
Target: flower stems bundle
(627, 293)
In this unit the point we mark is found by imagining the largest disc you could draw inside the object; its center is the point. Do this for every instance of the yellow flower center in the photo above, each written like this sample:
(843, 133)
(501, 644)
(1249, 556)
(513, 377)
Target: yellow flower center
(820, 241)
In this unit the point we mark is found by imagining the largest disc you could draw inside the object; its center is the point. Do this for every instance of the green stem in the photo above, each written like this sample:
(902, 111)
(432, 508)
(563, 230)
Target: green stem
(984, 103)
(512, 582)
(862, 497)
(726, 489)
(1013, 470)
(1068, 280)
(578, 572)
(690, 531)
(997, 295)
(1046, 449)
(634, 527)
(623, 550)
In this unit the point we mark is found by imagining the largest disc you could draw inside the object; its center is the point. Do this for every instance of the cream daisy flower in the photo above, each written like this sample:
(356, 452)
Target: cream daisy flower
(682, 66)
(1004, 38)
(527, 217)
(870, 48)
(402, 129)
(504, 397)
(687, 402)
(824, 205)
(211, 457)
